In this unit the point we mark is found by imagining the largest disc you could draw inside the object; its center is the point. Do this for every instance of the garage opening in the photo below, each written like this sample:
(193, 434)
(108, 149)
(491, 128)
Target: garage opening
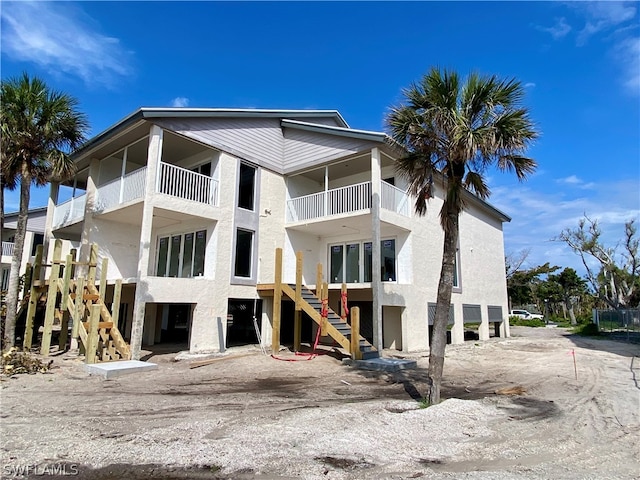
(240, 326)
(431, 313)
(176, 323)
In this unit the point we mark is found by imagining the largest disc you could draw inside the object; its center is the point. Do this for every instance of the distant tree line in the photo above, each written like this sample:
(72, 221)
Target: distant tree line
(612, 277)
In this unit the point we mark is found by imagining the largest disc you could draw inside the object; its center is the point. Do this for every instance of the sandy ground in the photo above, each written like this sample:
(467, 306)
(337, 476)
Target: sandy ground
(253, 417)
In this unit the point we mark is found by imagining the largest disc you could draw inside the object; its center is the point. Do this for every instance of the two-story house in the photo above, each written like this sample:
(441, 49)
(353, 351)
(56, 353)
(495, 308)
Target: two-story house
(190, 204)
(34, 236)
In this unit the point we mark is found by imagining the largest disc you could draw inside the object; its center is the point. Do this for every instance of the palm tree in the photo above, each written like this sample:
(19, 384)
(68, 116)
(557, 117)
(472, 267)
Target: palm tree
(454, 131)
(39, 127)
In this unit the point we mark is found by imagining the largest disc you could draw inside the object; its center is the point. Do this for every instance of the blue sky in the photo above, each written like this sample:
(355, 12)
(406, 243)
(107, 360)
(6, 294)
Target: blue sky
(579, 61)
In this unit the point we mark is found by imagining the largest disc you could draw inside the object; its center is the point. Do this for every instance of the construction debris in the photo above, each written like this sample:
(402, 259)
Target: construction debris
(517, 390)
(15, 362)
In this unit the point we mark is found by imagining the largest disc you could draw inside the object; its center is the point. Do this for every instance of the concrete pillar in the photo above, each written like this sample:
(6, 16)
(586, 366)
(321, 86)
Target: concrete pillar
(87, 224)
(457, 330)
(376, 282)
(483, 328)
(54, 190)
(141, 297)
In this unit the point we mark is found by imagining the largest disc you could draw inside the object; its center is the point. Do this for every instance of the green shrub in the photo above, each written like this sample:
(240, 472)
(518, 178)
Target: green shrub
(587, 329)
(533, 322)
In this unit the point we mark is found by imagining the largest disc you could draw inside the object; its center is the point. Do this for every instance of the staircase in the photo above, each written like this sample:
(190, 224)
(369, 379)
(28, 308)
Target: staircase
(337, 328)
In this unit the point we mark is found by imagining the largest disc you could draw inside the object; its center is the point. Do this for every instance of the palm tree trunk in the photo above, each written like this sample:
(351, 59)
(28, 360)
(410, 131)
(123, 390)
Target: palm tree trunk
(16, 261)
(441, 320)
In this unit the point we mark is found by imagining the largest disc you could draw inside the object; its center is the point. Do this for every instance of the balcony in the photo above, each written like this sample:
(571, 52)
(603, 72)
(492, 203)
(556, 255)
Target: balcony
(122, 190)
(70, 211)
(172, 180)
(346, 200)
(7, 249)
(182, 183)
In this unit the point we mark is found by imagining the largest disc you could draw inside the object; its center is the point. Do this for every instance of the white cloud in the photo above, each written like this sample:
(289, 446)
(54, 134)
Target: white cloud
(529, 85)
(539, 216)
(601, 16)
(559, 30)
(180, 102)
(59, 37)
(575, 181)
(628, 54)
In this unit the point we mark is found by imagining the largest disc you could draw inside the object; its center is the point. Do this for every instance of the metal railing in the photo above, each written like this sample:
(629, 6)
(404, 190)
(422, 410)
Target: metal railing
(621, 324)
(349, 199)
(182, 183)
(121, 190)
(70, 211)
(7, 249)
(394, 199)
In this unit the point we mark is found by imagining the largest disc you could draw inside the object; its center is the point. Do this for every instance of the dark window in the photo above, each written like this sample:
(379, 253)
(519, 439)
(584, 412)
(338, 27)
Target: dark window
(388, 260)
(244, 247)
(182, 255)
(336, 264)
(198, 261)
(38, 239)
(368, 261)
(246, 189)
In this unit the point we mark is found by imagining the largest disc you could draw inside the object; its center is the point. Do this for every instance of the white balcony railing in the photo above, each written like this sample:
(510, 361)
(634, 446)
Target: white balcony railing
(394, 199)
(336, 201)
(7, 249)
(70, 211)
(349, 199)
(121, 190)
(182, 183)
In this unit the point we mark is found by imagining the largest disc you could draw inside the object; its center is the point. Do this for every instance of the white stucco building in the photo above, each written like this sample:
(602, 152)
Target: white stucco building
(189, 206)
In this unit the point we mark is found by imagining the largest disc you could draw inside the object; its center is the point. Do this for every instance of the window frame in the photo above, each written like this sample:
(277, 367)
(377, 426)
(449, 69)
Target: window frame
(363, 265)
(181, 254)
(251, 255)
(252, 208)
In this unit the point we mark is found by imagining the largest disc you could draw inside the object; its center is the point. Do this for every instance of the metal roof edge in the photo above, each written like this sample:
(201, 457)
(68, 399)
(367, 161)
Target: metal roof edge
(328, 129)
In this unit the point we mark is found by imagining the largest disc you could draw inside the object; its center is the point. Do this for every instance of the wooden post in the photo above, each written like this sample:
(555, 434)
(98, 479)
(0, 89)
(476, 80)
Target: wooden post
(93, 262)
(277, 303)
(37, 264)
(297, 319)
(33, 299)
(73, 252)
(92, 341)
(325, 306)
(28, 277)
(103, 278)
(319, 281)
(356, 354)
(79, 314)
(115, 304)
(52, 296)
(343, 296)
(64, 324)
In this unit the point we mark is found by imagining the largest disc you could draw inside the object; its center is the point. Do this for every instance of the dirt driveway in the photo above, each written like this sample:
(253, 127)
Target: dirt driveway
(253, 417)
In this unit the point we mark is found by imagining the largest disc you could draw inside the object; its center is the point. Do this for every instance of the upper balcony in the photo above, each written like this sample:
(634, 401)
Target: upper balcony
(351, 199)
(7, 251)
(185, 172)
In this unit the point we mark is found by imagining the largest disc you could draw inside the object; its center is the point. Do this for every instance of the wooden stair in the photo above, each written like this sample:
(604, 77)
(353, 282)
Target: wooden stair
(337, 328)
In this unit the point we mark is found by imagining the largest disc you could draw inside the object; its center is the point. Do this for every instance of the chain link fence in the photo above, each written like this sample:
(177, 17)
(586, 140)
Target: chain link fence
(619, 324)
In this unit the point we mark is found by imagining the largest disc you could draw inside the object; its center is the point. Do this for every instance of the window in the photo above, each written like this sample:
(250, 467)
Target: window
(38, 239)
(244, 253)
(388, 260)
(345, 264)
(204, 169)
(246, 187)
(456, 270)
(182, 255)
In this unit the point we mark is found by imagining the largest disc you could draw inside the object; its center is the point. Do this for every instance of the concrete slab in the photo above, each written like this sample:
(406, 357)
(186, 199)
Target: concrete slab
(115, 369)
(382, 364)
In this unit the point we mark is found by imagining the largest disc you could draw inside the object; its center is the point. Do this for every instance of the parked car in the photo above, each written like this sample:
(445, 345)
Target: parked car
(526, 315)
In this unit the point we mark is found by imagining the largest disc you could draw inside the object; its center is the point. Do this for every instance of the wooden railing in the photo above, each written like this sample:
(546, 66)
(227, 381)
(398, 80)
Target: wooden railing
(182, 183)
